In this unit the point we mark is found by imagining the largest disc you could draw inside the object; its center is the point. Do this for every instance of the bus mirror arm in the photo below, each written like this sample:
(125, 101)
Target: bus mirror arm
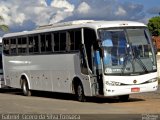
(101, 52)
(99, 48)
(98, 43)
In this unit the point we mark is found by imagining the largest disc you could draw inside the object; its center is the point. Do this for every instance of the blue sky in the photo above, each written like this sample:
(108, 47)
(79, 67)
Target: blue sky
(21, 15)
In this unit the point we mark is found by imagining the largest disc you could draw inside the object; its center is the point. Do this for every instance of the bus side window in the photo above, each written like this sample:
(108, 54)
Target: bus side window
(13, 46)
(56, 42)
(19, 45)
(62, 41)
(72, 40)
(78, 39)
(24, 45)
(33, 44)
(6, 46)
(30, 44)
(48, 43)
(42, 41)
(68, 42)
(36, 44)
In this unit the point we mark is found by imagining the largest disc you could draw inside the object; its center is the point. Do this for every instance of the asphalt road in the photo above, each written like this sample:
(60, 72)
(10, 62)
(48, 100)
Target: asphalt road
(12, 101)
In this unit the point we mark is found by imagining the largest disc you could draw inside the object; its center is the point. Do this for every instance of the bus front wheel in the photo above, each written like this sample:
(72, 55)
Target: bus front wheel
(25, 88)
(80, 93)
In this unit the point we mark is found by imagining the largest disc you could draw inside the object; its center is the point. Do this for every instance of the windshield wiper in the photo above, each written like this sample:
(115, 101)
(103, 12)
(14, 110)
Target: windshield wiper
(141, 64)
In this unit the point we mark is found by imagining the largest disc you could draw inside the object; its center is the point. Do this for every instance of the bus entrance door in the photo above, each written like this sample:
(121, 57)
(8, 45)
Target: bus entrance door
(98, 72)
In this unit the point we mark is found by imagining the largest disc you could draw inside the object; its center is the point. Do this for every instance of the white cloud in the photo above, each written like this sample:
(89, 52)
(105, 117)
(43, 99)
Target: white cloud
(107, 10)
(4, 10)
(63, 10)
(22, 14)
(63, 4)
(20, 18)
(18, 12)
(120, 12)
(83, 8)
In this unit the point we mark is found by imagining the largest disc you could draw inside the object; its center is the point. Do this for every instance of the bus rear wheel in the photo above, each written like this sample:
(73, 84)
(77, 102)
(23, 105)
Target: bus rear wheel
(124, 98)
(80, 93)
(25, 88)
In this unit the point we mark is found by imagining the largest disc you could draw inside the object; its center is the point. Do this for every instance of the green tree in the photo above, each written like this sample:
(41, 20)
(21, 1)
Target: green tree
(154, 25)
(3, 27)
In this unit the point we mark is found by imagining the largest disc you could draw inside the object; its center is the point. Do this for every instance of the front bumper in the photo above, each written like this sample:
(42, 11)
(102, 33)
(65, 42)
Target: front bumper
(128, 89)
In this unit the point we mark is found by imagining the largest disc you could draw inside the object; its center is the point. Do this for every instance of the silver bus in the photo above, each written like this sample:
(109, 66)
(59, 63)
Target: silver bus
(85, 58)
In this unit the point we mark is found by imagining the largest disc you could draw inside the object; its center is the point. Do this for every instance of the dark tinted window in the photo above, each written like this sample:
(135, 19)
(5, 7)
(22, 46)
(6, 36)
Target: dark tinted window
(13, 46)
(6, 46)
(62, 41)
(56, 42)
(33, 44)
(78, 39)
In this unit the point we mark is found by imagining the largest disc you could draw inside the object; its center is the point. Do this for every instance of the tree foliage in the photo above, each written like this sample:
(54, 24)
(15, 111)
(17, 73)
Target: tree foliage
(3, 27)
(154, 25)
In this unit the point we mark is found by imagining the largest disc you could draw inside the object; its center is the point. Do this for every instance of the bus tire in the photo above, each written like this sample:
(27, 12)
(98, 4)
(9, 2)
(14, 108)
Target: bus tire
(124, 98)
(25, 88)
(80, 93)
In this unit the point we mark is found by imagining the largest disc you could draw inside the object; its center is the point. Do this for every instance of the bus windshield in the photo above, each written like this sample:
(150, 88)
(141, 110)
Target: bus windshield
(127, 51)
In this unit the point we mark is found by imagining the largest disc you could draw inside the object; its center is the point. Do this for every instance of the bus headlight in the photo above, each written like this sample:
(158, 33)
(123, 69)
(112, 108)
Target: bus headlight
(112, 83)
(152, 80)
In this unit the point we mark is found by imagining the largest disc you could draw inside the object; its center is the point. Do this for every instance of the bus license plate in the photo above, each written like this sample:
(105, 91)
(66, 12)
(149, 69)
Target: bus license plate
(135, 89)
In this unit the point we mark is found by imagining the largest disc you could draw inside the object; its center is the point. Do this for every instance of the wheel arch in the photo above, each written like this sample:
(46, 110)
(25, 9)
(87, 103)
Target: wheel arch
(76, 80)
(25, 76)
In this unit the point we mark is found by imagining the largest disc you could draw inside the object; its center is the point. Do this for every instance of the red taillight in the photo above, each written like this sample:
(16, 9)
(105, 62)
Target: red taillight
(136, 89)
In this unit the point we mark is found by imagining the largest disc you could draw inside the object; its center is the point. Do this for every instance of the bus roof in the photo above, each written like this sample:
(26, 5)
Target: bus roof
(77, 24)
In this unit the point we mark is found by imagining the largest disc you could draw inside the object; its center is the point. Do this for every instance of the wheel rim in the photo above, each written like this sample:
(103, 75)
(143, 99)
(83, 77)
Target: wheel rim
(24, 88)
(80, 93)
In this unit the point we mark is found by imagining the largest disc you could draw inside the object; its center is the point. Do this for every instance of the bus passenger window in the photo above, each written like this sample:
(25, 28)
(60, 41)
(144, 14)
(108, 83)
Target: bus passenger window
(33, 44)
(42, 39)
(48, 43)
(68, 42)
(62, 41)
(22, 45)
(36, 44)
(6, 46)
(13, 46)
(71, 40)
(30, 44)
(19, 45)
(56, 42)
(78, 39)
